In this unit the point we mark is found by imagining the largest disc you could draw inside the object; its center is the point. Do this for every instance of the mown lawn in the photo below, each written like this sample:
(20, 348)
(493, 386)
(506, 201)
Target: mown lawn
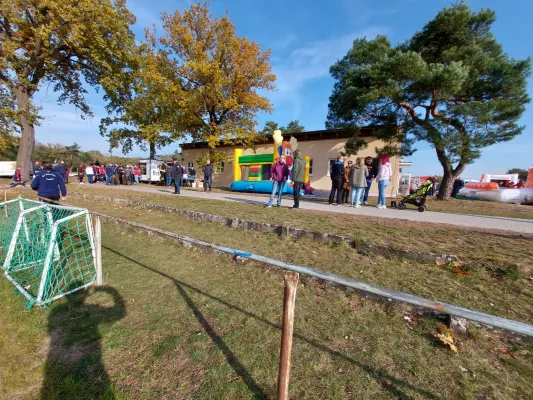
(177, 323)
(492, 248)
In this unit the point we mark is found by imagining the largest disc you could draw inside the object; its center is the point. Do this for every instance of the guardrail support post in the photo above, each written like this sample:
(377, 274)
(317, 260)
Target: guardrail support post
(289, 301)
(98, 250)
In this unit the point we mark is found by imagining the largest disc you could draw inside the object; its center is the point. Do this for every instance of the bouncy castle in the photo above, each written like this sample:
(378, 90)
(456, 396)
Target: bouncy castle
(251, 173)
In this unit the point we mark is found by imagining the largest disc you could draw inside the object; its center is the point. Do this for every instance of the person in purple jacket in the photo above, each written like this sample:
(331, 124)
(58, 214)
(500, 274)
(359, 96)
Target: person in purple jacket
(279, 174)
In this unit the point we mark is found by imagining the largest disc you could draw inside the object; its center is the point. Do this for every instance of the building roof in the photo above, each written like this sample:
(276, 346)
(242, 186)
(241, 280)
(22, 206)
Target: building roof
(367, 131)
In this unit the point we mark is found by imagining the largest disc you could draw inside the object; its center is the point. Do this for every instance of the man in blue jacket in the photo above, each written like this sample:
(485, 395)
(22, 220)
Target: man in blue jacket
(49, 184)
(337, 179)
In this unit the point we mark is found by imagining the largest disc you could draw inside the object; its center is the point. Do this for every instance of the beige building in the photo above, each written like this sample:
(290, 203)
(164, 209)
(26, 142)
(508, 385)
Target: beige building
(323, 147)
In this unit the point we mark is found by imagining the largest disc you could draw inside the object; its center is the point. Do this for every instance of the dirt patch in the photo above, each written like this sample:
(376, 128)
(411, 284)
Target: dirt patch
(54, 348)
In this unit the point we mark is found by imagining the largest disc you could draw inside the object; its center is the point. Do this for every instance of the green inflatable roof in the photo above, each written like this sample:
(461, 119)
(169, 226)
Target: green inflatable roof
(256, 159)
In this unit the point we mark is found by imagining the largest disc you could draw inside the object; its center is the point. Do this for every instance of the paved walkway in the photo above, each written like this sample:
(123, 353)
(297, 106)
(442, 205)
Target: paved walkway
(464, 220)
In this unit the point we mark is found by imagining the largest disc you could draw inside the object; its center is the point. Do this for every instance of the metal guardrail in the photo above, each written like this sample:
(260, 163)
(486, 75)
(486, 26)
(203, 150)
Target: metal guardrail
(482, 318)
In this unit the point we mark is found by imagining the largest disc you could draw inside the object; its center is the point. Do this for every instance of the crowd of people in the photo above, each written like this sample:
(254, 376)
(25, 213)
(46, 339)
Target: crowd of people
(352, 182)
(49, 179)
(349, 183)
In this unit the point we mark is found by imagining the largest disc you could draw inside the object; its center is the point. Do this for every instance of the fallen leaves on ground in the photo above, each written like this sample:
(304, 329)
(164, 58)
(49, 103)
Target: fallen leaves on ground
(446, 337)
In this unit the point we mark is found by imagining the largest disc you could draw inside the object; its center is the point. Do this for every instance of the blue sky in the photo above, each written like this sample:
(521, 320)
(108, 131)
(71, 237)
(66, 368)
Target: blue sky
(306, 38)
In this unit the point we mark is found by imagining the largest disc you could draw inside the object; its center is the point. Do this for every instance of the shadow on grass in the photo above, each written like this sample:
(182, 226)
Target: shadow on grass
(392, 384)
(74, 367)
(247, 201)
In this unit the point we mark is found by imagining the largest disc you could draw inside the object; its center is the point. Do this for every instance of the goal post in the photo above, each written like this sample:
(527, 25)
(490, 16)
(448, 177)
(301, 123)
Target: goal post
(51, 251)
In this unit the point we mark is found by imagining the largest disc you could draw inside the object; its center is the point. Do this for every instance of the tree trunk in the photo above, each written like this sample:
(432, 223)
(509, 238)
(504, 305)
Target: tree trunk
(27, 140)
(152, 150)
(446, 186)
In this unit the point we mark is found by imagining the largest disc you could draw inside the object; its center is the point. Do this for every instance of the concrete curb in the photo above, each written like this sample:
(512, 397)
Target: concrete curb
(363, 247)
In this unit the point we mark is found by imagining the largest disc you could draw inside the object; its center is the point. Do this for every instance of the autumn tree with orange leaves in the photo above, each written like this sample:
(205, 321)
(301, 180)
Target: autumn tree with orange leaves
(213, 76)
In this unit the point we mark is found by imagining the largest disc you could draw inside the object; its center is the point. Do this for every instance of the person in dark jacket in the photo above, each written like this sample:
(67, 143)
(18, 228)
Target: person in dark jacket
(118, 174)
(372, 172)
(457, 185)
(176, 174)
(109, 172)
(298, 171)
(208, 172)
(337, 179)
(61, 169)
(49, 184)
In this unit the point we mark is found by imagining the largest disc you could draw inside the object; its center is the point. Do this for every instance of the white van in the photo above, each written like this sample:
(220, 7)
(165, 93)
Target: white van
(150, 170)
(7, 168)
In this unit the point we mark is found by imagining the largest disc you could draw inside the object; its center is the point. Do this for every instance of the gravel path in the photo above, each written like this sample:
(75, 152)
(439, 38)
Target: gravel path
(464, 220)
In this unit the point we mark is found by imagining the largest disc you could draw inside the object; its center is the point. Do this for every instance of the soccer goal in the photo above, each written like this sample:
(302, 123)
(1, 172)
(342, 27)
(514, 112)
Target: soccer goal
(47, 251)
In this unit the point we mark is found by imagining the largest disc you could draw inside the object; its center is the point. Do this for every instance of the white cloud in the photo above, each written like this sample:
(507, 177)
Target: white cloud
(312, 62)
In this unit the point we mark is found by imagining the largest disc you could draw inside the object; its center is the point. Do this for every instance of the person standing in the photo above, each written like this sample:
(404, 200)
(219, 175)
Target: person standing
(163, 169)
(176, 174)
(96, 168)
(117, 172)
(279, 173)
(90, 173)
(61, 169)
(137, 174)
(337, 177)
(109, 174)
(208, 172)
(17, 178)
(128, 173)
(383, 178)
(168, 179)
(81, 173)
(372, 172)
(49, 184)
(298, 170)
(346, 184)
(357, 176)
(102, 173)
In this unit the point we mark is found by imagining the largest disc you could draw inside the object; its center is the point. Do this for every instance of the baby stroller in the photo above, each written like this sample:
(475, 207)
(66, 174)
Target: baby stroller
(418, 198)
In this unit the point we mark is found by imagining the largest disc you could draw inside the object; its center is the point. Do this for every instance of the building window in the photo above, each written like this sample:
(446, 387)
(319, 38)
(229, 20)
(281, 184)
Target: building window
(311, 167)
(330, 163)
(219, 168)
(190, 165)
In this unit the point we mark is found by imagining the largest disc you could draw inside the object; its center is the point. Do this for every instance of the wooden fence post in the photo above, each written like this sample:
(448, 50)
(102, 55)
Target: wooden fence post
(289, 302)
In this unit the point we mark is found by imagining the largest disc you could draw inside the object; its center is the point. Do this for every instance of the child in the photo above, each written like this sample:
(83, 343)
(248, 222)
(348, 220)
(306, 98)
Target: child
(17, 179)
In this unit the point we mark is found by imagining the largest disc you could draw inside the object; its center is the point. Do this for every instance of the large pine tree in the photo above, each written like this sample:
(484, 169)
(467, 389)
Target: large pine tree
(450, 85)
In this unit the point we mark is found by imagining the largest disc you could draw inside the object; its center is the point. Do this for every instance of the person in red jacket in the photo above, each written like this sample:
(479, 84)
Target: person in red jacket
(17, 179)
(137, 174)
(280, 174)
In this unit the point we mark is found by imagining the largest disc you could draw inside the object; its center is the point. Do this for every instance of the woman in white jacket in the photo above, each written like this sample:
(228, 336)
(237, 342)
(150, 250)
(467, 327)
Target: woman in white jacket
(383, 178)
(89, 171)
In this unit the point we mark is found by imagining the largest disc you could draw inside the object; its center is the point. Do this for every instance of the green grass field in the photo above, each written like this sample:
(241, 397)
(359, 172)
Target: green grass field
(178, 323)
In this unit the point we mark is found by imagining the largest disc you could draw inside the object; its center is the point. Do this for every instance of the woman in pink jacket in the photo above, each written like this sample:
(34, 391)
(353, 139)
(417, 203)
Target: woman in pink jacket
(280, 174)
(383, 178)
